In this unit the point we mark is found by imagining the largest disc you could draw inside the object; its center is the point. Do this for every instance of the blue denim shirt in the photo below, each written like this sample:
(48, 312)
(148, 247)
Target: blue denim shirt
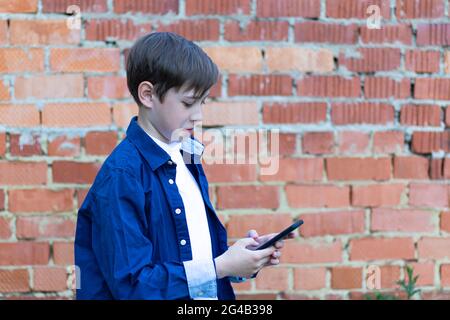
(131, 242)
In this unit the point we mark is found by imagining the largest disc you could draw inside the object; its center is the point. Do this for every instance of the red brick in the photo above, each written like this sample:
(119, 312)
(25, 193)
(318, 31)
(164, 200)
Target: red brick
(44, 227)
(312, 252)
(418, 9)
(425, 271)
(149, 6)
(42, 32)
(64, 146)
(230, 113)
(257, 31)
(75, 115)
(85, 59)
(329, 86)
(236, 59)
(4, 91)
(123, 112)
(384, 87)
(445, 221)
(13, 60)
(447, 116)
(5, 229)
(82, 193)
(25, 145)
(388, 142)
(115, 29)
(428, 195)
(239, 225)
(100, 143)
(310, 278)
(303, 112)
(43, 87)
(19, 116)
(40, 200)
(377, 195)
(288, 8)
(433, 248)
(18, 6)
(436, 89)
(319, 32)
(74, 172)
(299, 59)
(362, 112)
(435, 295)
(315, 196)
(346, 9)
(2, 144)
(272, 279)
(381, 249)
(400, 33)
(346, 278)
(433, 34)
(445, 275)
(217, 7)
(389, 277)
(194, 30)
(332, 223)
(16, 280)
(257, 296)
(111, 87)
(3, 32)
(318, 142)
(241, 286)
(371, 59)
(412, 167)
(259, 85)
(24, 253)
(247, 197)
(421, 61)
(63, 253)
(427, 142)
(230, 172)
(420, 115)
(402, 220)
(287, 144)
(27, 173)
(297, 170)
(60, 6)
(436, 168)
(353, 142)
(358, 168)
(49, 279)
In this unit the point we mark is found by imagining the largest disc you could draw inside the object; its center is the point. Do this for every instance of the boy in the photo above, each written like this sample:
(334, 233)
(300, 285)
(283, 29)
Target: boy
(147, 229)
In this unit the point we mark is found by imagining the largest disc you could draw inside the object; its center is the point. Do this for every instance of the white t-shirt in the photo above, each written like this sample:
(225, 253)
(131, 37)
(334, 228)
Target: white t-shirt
(193, 203)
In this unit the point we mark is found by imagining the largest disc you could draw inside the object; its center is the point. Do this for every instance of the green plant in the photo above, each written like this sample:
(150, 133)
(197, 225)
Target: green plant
(409, 287)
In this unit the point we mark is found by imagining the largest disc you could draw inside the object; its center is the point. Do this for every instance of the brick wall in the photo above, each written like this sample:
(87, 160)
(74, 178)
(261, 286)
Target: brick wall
(363, 115)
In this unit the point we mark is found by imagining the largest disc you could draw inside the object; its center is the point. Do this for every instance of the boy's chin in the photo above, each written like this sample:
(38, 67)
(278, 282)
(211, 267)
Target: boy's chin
(181, 134)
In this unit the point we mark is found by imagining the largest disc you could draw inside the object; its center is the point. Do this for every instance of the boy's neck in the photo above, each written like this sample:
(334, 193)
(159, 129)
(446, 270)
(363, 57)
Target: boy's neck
(148, 127)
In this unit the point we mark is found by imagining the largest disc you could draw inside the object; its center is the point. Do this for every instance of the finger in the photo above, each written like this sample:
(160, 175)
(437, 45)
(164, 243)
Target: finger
(266, 252)
(279, 244)
(274, 261)
(276, 254)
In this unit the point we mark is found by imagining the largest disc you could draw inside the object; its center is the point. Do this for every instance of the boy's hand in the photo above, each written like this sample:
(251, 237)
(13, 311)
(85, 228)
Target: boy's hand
(239, 261)
(275, 258)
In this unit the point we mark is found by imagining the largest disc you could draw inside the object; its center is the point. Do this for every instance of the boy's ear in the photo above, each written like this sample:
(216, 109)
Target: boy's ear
(145, 93)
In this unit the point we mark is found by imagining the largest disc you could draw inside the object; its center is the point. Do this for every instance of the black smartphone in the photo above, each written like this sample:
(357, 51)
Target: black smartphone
(281, 235)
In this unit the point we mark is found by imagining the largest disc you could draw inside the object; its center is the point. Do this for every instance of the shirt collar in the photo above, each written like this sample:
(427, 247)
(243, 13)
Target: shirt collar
(155, 153)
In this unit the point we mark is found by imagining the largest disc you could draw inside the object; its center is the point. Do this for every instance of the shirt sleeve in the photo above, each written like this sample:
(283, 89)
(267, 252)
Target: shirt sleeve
(124, 252)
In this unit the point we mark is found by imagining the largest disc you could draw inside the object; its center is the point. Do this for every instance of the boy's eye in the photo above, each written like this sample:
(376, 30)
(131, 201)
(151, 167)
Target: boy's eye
(191, 104)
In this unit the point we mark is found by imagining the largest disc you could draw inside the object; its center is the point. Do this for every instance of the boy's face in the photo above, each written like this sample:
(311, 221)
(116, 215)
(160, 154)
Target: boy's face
(177, 115)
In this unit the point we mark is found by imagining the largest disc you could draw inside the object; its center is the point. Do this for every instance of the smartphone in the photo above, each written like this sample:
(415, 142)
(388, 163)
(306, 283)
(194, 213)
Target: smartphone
(281, 235)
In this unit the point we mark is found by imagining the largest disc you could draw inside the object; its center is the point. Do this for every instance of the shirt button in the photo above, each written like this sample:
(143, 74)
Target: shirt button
(170, 181)
(177, 210)
(183, 242)
(170, 162)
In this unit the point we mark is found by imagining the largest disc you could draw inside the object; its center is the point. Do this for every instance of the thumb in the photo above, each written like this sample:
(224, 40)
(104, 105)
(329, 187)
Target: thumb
(244, 242)
(252, 234)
